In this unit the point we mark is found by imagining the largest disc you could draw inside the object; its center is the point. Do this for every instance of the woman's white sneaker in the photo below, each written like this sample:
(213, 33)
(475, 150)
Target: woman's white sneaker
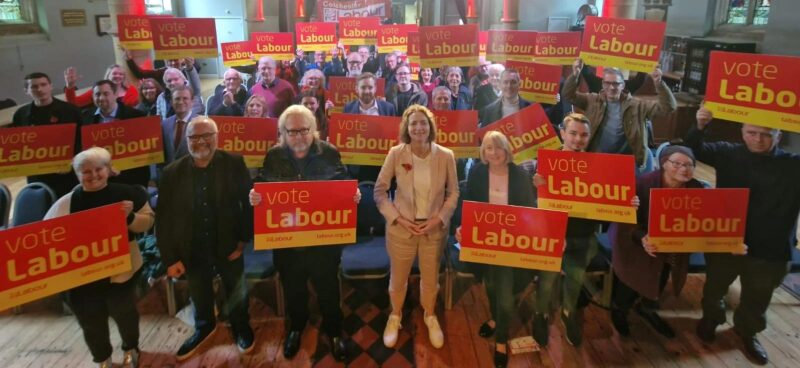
(434, 331)
(391, 331)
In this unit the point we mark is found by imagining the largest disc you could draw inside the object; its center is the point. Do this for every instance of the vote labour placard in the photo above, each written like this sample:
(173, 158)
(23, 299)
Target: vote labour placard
(538, 82)
(342, 90)
(278, 45)
(698, 220)
(597, 186)
(316, 36)
(528, 131)
(359, 31)
(755, 89)
(132, 143)
(448, 45)
(394, 37)
(47, 257)
(512, 236)
(363, 139)
(483, 39)
(249, 137)
(457, 130)
(237, 53)
(332, 10)
(510, 45)
(134, 31)
(34, 150)
(184, 37)
(305, 213)
(622, 43)
(413, 48)
(557, 48)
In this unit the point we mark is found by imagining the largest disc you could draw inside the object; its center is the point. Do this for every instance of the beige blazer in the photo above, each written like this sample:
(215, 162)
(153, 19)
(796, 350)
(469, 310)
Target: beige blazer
(444, 185)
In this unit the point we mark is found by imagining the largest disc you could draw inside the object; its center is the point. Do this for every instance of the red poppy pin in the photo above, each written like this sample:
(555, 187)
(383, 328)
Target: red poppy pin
(407, 167)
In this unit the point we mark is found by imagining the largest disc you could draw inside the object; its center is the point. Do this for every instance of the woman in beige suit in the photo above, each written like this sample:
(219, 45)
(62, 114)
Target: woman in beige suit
(418, 219)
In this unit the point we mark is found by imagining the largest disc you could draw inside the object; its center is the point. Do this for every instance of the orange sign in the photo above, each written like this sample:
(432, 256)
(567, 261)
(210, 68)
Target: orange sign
(538, 82)
(623, 43)
(698, 220)
(483, 39)
(512, 236)
(236, 53)
(363, 139)
(45, 149)
(175, 38)
(132, 143)
(359, 31)
(457, 130)
(528, 131)
(755, 89)
(47, 257)
(135, 32)
(597, 186)
(249, 137)
(394, 37)
(413, 47)
(305, 213)
(316, 36)
(277, 45)
(510, 45)
(448, 45)
(557, 48)
(343, 90)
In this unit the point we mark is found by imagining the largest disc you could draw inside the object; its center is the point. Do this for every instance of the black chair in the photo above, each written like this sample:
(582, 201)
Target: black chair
(5, 205)
(4, 104)
(32, 203)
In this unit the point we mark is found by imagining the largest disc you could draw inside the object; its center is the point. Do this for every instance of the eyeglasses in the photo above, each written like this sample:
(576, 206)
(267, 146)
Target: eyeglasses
(196, 138)
(295, 132)
(614, 84)
(679, 165)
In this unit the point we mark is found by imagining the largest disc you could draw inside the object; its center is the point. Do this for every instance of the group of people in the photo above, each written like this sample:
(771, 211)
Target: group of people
(204, 215)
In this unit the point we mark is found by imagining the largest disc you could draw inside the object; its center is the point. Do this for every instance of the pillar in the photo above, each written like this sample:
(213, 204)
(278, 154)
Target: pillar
(510, 19)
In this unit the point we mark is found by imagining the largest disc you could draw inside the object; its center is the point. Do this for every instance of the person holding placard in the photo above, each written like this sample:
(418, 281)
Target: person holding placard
(497, 180)
(509, 102)
(278, 93)
(228, 98)
(490, 92)
(460, 97)
(255, 107)
(638, 270)
(772, 176)
(149, 89)
(114, 297)
(405, 93)
(124, 90)
(418, 218)
(173, 79)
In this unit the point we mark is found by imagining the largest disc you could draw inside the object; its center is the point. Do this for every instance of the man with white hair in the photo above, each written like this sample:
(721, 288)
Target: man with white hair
(230, 97)
(490, 92)
(355, 64)
(481, 77)
(278, 93)
(172, 79)
(369, 63)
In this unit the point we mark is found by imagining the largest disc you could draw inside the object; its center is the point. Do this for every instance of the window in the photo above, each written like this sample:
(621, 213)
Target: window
(158, 7)
(18, 17)
(747, 12)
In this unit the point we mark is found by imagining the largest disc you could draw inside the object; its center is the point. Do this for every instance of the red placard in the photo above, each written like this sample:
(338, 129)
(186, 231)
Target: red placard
(512, 236)
(135, 32)
(483, 39)
(510, 45)
(175, 38)
(457, 130)
(623, 43)
(359, 31)
(415, 69)
(277, 45)
(317, 36)
(305, 213)
(236, 53)
(413, 47)
(755, 89)
(394, 37)
(132, 142)
(448, 45)
(528, 131)
(343, 90)
(47, 257)
(598, 186)
(557, 48)
(249, 137)
(698, 220)
(538, 82)
(45, 149)
(363, 139)
(332, 10)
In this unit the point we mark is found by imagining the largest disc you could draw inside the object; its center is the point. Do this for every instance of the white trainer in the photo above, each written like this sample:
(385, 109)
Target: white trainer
(391, 331)
(434, 331)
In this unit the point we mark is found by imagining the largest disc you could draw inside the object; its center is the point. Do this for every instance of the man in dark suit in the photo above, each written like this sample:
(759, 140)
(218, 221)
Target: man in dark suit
(490, 92)
(204, 219)
(509, 102)
(367, 104)
(230, 97)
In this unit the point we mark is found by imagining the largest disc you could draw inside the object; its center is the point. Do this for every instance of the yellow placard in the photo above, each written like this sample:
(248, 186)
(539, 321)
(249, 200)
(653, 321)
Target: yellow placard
(183, 53)
(592, 211)
(510, 259)
(555, 60)
(368, 159)
(538, 97)
(36, 168)
(760, 117)
(638, 65)
(454, 61)
(692, 245)
(139, 161)
(531, 153)
(296, 239)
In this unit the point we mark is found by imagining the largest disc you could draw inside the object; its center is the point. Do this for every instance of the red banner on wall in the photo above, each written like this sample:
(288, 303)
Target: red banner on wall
(332, 10)
(175, 38)
(512, 236)
(698, 220)
(448, 45)
(249, 137)
(236, 53)
(45, 149)
(413, 47)
(557, 48)
(394, 37)
(538, 82)
(343, 90)
(305, 213)
(597, 186)
(316, 36)
(277, 45)
(457, 130)
(623, 43)
(363, 139)
(510, 45)
(528, 131)
(47, 257)
(755, 89)
(134, 31)
(132, 142)
(359, 31)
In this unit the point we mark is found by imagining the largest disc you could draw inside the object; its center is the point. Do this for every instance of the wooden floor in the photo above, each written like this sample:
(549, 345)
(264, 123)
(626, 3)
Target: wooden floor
(42, 337)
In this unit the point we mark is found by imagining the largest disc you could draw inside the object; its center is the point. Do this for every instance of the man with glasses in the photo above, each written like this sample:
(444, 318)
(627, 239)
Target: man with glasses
(509, 102)
(772, 176)
(480, 78)
(619, 120)
(278, 93)
(355, 64)
(204, 220)
(405, 93)
(230, 97)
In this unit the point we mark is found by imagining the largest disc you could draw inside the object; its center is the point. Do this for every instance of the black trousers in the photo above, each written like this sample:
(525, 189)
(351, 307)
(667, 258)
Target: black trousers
(320, 265)
(94, 303)
(623, 297)
(758, 277)
(200, 275)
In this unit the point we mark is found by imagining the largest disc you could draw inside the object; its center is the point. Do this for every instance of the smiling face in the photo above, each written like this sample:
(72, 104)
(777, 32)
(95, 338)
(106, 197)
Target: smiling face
(232, 80)
(613, 86)
(298, 135)
(678, 169)
(93, 176)
(182, 102)
(403, 77)
(419, 128)
(575, 135)
(453, 80)
(441, 100)
(116, 75)
(149, 90)
(494, 154)
(509, 85)
(104, 98)
(426, 74)
(266, 67)
(310, 103)
(202, 139)
(365, 89)
(174, 78)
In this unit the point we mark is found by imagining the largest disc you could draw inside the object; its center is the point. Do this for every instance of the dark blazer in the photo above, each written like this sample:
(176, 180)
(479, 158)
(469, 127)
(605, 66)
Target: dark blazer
(484, 96)
(520, 185)
(464, 100)
(175, 207)
(137, 175)
(168, 131)
(494, 111)
(384, 108)
(215, 106)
